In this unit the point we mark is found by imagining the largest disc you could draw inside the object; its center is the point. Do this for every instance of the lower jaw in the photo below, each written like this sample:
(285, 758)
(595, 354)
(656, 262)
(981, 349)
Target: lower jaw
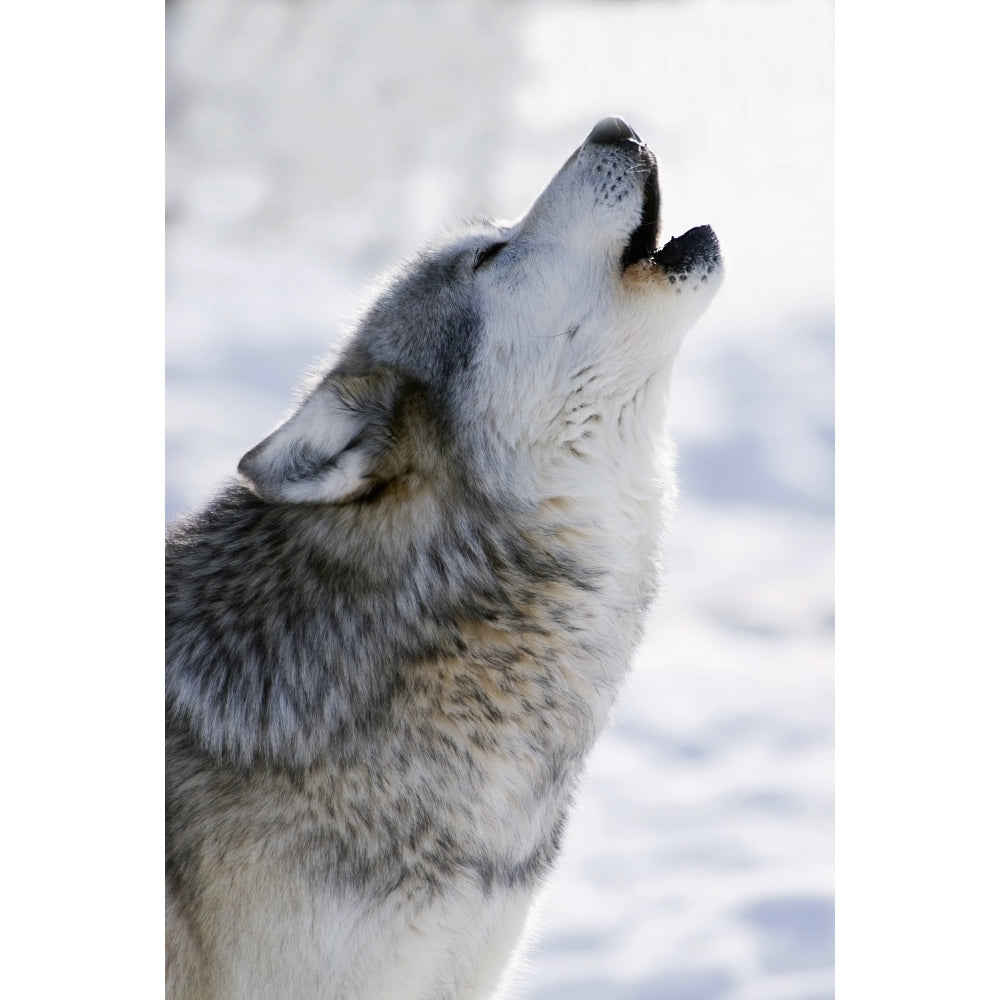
(698, 248)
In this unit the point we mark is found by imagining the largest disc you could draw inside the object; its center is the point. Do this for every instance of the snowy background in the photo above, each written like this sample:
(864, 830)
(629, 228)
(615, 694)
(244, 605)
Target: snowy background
(310, 144)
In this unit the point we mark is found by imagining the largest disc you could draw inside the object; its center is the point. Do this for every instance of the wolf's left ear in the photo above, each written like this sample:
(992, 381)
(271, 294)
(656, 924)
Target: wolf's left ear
(329, 450)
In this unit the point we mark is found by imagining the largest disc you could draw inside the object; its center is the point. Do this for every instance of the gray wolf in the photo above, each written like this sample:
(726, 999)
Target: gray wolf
(394, 638)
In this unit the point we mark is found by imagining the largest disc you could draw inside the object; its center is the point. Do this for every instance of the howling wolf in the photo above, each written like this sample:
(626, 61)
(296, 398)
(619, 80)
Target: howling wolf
(394, 638)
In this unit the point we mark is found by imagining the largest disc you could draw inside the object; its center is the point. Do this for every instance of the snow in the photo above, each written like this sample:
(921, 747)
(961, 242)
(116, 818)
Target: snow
(311, 144)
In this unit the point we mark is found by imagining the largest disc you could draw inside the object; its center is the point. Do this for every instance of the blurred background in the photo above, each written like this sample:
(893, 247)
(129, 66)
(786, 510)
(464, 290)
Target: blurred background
(311, 143)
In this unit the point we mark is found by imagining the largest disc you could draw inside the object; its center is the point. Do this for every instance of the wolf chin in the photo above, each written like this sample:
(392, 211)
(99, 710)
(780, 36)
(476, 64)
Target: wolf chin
(394, 638)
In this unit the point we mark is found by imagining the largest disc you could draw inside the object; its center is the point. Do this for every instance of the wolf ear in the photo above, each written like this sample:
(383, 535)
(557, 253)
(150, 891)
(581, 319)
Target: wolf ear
(329, 450)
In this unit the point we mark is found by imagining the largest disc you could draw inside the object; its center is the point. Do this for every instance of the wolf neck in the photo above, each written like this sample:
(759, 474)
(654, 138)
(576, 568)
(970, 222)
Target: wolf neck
(608, 479)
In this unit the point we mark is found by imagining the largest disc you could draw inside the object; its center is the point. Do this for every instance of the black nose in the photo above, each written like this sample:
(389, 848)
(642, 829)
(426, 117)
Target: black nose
(612, 130)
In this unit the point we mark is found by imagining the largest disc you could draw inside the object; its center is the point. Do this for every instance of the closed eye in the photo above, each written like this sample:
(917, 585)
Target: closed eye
(487, 254)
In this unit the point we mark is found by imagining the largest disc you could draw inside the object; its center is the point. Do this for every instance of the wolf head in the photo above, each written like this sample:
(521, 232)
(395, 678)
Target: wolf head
(520, 352)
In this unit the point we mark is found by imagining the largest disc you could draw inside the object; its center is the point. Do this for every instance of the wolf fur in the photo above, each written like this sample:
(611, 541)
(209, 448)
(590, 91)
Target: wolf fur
(393, 640)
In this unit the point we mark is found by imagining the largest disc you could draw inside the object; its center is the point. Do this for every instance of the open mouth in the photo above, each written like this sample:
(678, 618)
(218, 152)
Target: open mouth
(642, 242)
(698, 247)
